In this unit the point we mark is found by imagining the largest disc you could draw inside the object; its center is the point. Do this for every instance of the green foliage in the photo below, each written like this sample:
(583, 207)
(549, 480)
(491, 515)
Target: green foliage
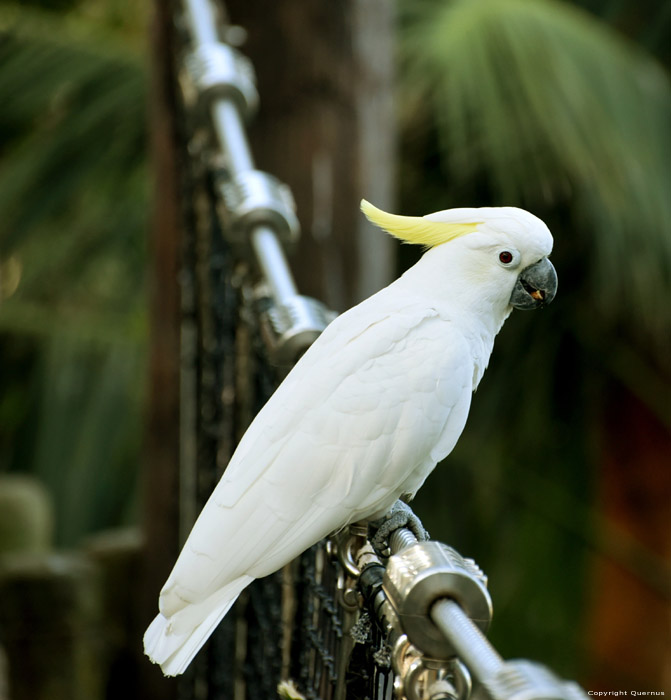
(73, 197)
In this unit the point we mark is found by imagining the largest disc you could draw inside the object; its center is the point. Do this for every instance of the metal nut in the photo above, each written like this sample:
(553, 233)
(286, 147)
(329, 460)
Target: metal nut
(291, 327)
(420, 575)
(253, 198)
(217, 70)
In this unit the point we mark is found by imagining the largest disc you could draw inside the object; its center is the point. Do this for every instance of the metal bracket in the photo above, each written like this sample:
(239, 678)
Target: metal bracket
(418, 576)
(218, 71)
(291, 326)
(253, 198)
(434, 608)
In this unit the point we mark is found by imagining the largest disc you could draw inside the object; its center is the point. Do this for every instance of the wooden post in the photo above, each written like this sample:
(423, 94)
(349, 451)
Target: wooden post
(162, 447)
(116, 554)
(49, 609)
(26, 515)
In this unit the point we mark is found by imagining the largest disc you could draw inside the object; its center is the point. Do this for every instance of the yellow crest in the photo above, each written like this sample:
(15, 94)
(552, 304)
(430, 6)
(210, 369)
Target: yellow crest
(417, 229)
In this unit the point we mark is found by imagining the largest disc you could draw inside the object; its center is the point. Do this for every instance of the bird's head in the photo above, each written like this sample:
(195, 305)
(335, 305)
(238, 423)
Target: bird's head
(499, 253)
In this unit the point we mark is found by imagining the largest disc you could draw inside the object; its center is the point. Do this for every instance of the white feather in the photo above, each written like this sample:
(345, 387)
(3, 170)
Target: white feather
(172, 648)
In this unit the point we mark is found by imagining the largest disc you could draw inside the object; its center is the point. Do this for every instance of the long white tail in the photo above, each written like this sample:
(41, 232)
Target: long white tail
(174, 651)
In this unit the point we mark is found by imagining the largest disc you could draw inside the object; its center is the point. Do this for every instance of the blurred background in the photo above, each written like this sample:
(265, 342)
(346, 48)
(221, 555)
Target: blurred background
(560, 486)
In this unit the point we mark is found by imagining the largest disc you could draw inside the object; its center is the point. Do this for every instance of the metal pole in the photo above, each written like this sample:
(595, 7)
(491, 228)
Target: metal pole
(231, 136)
(470, 644)
(200, 17)
(273, 264)
(400, 539)
(228, 125)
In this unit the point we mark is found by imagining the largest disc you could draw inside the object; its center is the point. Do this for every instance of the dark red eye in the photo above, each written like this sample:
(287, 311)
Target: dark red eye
(505, 256)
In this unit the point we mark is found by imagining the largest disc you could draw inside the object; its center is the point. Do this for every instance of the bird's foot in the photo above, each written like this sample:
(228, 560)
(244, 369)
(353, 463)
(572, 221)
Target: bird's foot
(400, 515)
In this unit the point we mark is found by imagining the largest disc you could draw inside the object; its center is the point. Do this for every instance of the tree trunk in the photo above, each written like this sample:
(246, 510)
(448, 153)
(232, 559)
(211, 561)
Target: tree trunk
(630, 609)
(49, 616)
(161, 474)
(326, 128)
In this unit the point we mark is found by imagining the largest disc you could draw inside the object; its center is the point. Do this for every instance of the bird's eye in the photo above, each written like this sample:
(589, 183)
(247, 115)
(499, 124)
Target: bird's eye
(506, 257)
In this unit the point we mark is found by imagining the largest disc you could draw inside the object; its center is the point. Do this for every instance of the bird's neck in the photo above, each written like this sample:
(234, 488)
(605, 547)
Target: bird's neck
(478, 310)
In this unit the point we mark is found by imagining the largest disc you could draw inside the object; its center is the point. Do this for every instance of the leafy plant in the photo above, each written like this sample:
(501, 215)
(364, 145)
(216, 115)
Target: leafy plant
(73, 197)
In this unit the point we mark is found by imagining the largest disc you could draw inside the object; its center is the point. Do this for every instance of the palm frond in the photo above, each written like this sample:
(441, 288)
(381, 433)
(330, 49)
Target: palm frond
(546, 105)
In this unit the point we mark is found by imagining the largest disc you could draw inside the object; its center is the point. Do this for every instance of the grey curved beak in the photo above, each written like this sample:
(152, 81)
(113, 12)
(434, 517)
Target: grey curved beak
(536, 286)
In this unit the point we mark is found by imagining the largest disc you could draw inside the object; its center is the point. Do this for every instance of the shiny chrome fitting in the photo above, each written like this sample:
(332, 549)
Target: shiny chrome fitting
(217, 70)
(422, 678)
(525, 680)
(291, 327)
(253, 198)
(418, 576)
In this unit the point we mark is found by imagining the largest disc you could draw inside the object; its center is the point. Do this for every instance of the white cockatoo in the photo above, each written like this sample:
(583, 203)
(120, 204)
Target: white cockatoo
(364, 416)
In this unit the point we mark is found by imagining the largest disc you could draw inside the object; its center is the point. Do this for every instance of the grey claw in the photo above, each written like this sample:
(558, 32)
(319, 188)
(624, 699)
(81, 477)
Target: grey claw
(400, 515)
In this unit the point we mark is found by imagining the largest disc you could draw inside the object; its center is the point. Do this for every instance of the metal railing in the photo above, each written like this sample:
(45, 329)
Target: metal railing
(344, 621)
(258, 209)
